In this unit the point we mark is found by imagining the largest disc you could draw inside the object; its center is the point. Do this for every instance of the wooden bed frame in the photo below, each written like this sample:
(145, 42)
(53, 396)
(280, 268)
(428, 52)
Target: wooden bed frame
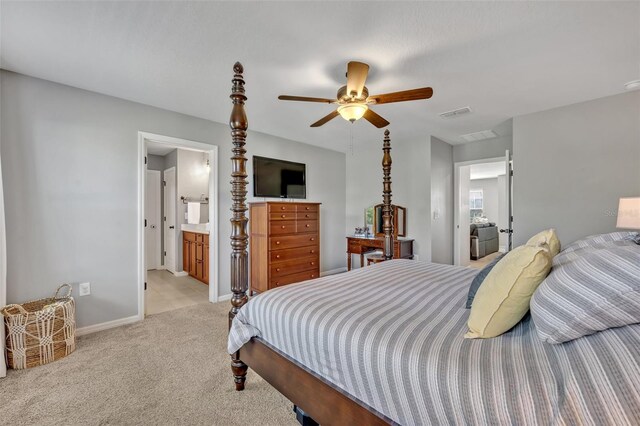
(318, 399)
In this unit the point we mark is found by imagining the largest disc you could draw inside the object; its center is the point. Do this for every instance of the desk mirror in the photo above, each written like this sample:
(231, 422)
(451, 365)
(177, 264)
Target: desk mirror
(373, 220)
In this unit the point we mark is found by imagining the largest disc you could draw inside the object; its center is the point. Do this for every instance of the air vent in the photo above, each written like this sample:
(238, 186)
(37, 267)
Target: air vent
(456, 112)
(479, 136)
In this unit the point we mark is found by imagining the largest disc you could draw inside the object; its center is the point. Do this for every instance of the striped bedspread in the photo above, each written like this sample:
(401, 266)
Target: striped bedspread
(390, 335)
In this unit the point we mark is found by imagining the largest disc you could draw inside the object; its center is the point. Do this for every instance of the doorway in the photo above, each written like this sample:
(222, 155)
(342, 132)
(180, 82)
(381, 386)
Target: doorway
(165, 162)
(483, 210)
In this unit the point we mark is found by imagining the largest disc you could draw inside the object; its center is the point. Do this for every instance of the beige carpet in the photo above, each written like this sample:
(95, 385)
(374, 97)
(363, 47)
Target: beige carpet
(172, 369)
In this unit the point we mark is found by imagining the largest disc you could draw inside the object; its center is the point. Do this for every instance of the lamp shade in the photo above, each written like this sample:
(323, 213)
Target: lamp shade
(629, 213)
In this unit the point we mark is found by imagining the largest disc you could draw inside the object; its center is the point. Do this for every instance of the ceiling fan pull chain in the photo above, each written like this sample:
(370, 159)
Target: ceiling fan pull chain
(351, 140)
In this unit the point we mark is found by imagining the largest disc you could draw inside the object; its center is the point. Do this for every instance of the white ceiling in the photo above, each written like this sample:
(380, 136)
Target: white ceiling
(161, 149)
(487, 170)
(501, 58)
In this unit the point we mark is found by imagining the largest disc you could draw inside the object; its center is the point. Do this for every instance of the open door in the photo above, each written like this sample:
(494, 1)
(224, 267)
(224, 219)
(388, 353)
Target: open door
(462, 238)
(170, 219)
(506, 229)
(152, 220)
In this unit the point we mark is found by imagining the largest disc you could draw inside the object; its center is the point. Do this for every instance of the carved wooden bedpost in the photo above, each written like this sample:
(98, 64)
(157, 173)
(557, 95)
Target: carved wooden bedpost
(387, 211)
(239, 238)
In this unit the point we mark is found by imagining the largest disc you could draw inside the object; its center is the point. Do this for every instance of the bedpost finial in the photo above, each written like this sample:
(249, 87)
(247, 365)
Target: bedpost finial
(386, 132)
(238, 68)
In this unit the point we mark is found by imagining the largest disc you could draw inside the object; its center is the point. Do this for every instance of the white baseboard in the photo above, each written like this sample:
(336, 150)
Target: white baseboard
(333, 271)
(224, 297)
(181, 274)
(106, 325)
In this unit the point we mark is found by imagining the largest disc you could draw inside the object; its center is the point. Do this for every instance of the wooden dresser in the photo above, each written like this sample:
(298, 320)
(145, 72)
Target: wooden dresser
(284, 243)
(195, 255)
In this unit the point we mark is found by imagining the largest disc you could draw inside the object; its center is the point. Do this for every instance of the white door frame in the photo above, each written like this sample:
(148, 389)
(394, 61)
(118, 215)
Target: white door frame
(456, 203)
(156, 219)
(212, 150)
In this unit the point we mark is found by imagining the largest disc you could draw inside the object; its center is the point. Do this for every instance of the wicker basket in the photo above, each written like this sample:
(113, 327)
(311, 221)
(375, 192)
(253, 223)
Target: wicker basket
(41, 331)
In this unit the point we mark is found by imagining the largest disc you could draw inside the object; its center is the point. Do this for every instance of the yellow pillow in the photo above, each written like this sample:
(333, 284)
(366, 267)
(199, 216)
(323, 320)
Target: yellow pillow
(503, 298)
(549, 237)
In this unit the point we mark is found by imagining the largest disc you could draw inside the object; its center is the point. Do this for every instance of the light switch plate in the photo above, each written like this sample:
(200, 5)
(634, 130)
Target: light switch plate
(84, 289)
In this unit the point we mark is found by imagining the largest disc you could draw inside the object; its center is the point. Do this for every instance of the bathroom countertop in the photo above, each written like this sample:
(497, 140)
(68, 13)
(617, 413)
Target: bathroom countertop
(201, 228)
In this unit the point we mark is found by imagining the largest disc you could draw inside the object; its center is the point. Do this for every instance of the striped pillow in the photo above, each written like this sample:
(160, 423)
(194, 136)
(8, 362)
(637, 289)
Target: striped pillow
(593, 240)
(597, 290)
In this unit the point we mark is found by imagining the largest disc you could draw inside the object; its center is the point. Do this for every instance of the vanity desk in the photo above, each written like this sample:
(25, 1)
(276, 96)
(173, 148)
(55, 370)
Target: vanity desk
(361, 244)
(402, 247)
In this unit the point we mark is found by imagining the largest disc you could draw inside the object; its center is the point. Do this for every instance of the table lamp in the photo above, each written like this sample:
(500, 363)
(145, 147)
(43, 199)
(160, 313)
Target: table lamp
(629, 213)
(629, 216)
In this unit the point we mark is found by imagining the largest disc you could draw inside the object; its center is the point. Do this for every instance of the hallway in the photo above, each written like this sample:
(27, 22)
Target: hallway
(166, 292)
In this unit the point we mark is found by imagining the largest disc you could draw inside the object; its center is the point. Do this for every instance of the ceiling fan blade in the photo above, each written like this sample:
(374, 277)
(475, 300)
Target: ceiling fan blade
(375, 119)
(325, 119)
(406, 95)
(305, 99)
(356, 77)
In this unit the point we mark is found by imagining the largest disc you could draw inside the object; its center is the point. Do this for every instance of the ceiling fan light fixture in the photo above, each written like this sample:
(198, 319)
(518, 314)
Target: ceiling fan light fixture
(352, 111)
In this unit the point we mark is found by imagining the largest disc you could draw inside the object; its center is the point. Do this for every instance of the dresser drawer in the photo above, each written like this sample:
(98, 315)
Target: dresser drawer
(295, 266)
(278, 227)
(308, 208)
(282, 207)
(307, 226)
(293, 278)
(277, 216)
(189, 236)
(293, 253)
(291, 241)
(306, 216)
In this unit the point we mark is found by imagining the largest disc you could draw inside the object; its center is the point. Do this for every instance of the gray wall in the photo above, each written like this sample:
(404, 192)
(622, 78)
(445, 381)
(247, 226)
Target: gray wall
(572, 164)
(155, 162)
(441, 201)
(69, 164)
(411, 186)
(489, 196)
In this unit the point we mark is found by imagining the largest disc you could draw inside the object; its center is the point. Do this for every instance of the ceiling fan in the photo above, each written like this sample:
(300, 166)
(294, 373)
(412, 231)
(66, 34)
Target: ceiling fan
(353, 100)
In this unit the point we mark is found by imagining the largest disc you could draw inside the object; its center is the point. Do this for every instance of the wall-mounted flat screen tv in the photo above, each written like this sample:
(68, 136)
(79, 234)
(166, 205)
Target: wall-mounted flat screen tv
(278, 178)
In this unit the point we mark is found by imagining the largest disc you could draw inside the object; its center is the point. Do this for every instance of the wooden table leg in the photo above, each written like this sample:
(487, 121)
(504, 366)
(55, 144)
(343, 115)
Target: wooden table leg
(362, 260)
(348, 261)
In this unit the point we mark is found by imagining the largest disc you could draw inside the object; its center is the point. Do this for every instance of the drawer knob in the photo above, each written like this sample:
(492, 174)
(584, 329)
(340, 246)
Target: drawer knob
(312, 239)
(282, 208)
(277, 269)
(306, 215)
(307, 208)
(277, 282)
(284, 215)
(313, 275)
(277, 243)
(313, 263)
(277, 256)
(282, 226)
(307, 225)
(312, 251)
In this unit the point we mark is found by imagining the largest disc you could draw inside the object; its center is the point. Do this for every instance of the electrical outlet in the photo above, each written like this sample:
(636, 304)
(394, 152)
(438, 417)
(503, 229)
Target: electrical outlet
(84, 289)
